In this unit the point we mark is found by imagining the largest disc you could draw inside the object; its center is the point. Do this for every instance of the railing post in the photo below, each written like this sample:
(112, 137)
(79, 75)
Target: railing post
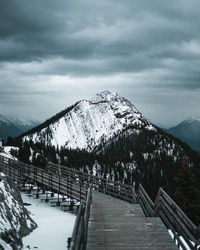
(138, 194)
(70, 183)
(84, 229)
(58, 203)
(198, 237)
(69, 242)
(134, 196)
(157, 202)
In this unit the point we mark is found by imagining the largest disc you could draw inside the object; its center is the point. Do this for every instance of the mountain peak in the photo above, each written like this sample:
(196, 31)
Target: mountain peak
(103, 96)
(195, 117)
(114, 99)
(90, 122)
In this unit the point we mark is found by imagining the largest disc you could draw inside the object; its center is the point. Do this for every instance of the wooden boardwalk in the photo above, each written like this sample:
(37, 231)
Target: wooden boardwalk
(114, 224)
(119, 225)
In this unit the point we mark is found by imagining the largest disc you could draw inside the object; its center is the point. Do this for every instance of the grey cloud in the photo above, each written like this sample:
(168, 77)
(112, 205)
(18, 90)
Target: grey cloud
(82, 29)
(140, 48)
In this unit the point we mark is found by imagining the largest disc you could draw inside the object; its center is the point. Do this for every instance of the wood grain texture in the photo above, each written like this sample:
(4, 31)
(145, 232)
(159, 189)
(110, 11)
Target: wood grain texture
(118, 225)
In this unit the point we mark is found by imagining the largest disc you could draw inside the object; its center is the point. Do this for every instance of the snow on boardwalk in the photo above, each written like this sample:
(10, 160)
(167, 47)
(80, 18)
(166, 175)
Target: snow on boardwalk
(54, 226)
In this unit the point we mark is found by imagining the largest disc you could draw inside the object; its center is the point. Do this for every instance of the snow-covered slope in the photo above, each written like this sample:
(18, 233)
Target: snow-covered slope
(7, 152)
(90, 122)
(15, 221)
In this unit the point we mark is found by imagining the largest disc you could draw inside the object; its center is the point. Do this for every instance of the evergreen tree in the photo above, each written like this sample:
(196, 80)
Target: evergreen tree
(25, 153)
(187, 195)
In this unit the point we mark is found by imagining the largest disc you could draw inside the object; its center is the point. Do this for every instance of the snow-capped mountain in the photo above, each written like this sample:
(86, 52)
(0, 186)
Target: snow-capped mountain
(25, 125)
(89, 122)
(195, 117)
(12, 126)
(188, 131)
(23, 122)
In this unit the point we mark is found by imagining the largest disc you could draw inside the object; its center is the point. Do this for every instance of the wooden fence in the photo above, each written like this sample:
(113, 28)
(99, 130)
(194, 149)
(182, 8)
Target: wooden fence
(113, 188)
(145, 202)
(22, 172)
(79, 235)
(172, 216)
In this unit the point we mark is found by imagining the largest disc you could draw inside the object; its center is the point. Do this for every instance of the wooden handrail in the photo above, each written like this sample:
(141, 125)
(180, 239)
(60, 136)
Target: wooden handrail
(176, 220)
(172, 216)
(145, 202)
(79, 235)
(68, 170)
(114, 188)
(19, 170)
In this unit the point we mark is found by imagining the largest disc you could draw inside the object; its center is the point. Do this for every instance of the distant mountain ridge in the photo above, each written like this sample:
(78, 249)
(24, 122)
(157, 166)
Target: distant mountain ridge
(14, 127)
(188, 131)
(88, 123)
(7, 128)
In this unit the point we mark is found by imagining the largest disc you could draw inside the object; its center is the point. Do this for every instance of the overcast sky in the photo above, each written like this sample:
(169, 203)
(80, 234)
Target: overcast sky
(54, 53)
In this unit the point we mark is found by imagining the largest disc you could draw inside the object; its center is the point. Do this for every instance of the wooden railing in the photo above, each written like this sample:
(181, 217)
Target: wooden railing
(177, 221)
(182, 228)
(113, 188)
(64, 185)
(79, 235)
(145, 202)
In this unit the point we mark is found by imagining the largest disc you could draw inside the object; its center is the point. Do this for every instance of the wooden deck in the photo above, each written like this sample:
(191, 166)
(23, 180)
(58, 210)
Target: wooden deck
(119, 225)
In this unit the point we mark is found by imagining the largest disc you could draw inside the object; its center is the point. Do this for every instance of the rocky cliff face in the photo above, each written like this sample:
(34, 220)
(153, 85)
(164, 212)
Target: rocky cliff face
(15, 221)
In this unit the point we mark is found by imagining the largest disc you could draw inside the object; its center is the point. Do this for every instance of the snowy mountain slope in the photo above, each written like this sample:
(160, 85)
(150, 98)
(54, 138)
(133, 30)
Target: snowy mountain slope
(90, 122)
(15, 221)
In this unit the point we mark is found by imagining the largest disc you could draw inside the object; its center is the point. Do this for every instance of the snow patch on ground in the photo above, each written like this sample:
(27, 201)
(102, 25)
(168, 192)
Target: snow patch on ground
(183, 241)
(54, 226)
(6, 152)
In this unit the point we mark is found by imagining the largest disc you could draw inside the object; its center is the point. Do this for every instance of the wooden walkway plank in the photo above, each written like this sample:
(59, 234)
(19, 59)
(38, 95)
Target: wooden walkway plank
(119, 225)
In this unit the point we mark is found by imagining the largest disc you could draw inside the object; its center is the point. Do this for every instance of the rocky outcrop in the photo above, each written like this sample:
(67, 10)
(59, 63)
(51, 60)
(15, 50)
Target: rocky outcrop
(15, 222)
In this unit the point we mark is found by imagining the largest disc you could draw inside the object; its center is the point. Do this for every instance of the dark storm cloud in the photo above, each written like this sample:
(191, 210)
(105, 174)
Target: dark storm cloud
(35, 30)
(139, 48)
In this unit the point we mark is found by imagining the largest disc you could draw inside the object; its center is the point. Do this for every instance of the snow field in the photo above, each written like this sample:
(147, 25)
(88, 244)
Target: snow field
(54, 226)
